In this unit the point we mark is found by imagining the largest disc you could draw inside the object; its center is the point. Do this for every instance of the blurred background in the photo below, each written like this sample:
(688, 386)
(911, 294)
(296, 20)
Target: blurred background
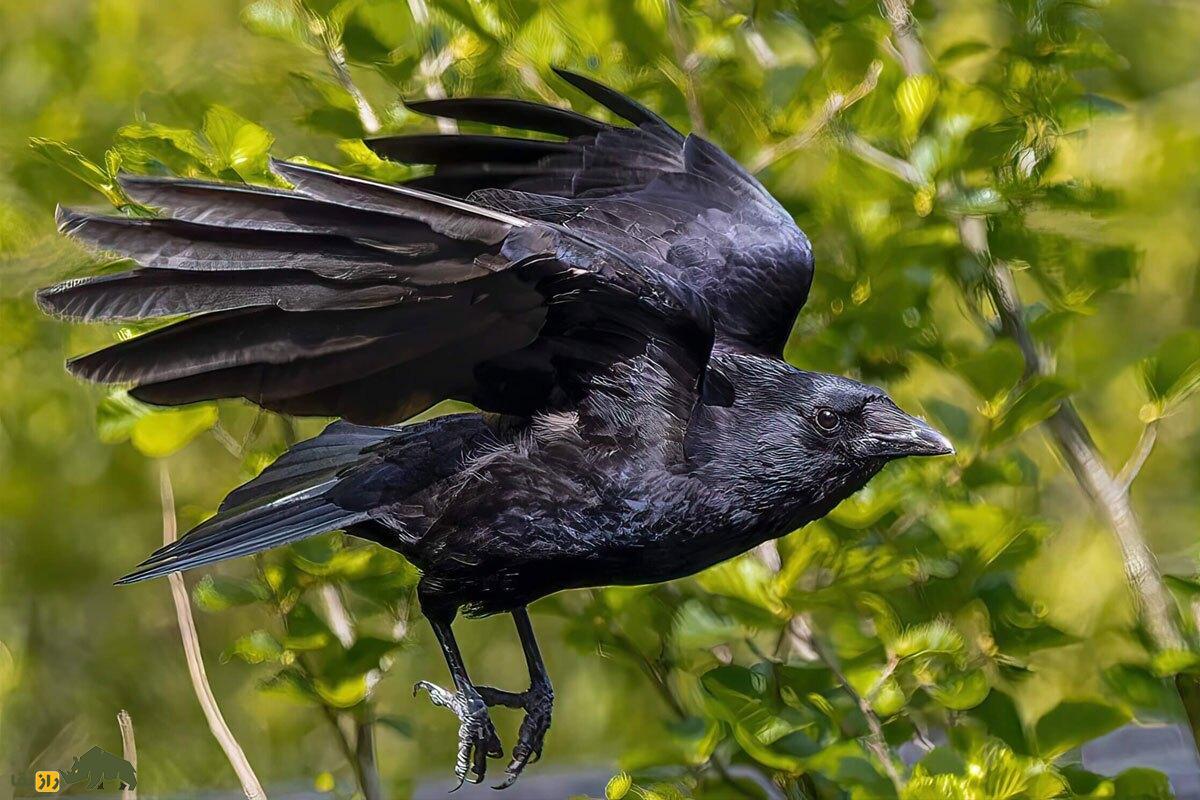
(977, 610)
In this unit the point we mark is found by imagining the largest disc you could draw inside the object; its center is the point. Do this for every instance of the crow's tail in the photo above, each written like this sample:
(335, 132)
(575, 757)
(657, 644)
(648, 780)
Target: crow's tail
(331, 482)
(291, 500)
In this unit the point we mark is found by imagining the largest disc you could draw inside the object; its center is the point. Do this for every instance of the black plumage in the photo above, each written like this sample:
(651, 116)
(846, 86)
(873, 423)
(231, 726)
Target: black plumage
(615, 301)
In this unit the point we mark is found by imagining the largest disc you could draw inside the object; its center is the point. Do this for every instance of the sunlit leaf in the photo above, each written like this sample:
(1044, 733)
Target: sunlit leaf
(1172, 374)
(162, 433)
(1073, 722)
(1036, 402)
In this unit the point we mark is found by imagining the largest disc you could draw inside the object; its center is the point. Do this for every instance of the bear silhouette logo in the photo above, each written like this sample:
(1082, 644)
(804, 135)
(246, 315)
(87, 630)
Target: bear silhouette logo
(96, 767)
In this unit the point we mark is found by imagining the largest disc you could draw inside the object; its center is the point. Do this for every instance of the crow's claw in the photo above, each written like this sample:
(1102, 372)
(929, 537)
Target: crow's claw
(477, 739)
(538, 702)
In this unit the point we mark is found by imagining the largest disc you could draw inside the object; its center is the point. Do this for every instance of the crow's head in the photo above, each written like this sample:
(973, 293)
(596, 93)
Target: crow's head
(811, 438)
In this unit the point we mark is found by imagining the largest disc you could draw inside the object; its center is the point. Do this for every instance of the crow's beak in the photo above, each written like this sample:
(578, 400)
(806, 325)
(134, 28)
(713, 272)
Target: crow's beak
(893, 434)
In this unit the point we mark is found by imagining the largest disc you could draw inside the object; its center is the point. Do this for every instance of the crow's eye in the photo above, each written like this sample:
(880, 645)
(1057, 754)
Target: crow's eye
(827, 420)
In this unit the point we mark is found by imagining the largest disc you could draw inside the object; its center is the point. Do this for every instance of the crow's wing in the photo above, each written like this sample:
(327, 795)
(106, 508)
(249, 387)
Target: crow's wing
(677, 203)
(371, 302)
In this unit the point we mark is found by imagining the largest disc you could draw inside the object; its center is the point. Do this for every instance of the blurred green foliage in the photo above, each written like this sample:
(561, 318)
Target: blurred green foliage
(974, 611)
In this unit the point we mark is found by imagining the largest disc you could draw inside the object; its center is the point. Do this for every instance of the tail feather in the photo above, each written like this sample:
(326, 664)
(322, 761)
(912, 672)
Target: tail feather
(511, 113)
(424, 148)
(312, 461)
(330, 482)
(252, 532)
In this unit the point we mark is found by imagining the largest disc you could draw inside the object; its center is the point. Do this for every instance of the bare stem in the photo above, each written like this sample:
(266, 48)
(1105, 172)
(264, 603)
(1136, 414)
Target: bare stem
(128, 750)
(1141, 452)
(1109, 495)
(885, 161)
(191, 650)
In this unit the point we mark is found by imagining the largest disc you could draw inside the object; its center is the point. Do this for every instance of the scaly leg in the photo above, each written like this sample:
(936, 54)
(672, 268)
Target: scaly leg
(477, 739)
(537, 701)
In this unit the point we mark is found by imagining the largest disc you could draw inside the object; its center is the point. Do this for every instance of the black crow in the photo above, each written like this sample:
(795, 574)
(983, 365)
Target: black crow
(615, 300)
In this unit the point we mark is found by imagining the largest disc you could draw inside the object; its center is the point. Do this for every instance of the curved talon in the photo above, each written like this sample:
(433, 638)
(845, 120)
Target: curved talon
(537, 702)
(477, 739)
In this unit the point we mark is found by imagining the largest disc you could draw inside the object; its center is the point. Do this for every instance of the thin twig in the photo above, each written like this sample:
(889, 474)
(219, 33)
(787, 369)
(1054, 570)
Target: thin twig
(888, 670)
(875, 740)
(909, 48)
(1141, 452)
(833, 105)
(191, 650)
(226, 440)
(886, 161)
(335, 54)
(128, 750)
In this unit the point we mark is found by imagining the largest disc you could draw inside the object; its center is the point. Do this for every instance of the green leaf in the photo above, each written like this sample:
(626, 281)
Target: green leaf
(1169, 662)
(1039, 400)
(277, 19)
(744, 578)
(697, 626)
(1072, 723)
(254, 648)
(1142, 783)
(929, 638)
(375, 28)
(618, 786)
(345, 693)
(400, 725)
(83, 168)
(161, 433)
(116, 416)
(960, 50)
(993, 371)
(914, 99)
(150, 147)
(218, 593)
(239, 145)
(961, 690)
(1172, 374)
(976, 202)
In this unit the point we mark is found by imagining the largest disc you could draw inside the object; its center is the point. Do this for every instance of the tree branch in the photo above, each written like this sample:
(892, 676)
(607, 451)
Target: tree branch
(1109, 495)
(195, 662)
(128, 750)
(909, 48)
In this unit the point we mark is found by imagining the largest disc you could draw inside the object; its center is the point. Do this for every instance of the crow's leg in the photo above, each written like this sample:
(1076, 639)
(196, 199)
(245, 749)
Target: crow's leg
(537, 702)
(477, 739)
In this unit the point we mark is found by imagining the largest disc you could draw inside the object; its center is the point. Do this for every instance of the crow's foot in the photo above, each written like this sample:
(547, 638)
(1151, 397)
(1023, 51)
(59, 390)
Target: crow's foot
(537, 701)
(477, 739)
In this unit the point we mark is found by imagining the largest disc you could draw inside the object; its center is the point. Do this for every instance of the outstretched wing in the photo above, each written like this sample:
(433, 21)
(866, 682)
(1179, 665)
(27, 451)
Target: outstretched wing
(678, 203)
(371, 302)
